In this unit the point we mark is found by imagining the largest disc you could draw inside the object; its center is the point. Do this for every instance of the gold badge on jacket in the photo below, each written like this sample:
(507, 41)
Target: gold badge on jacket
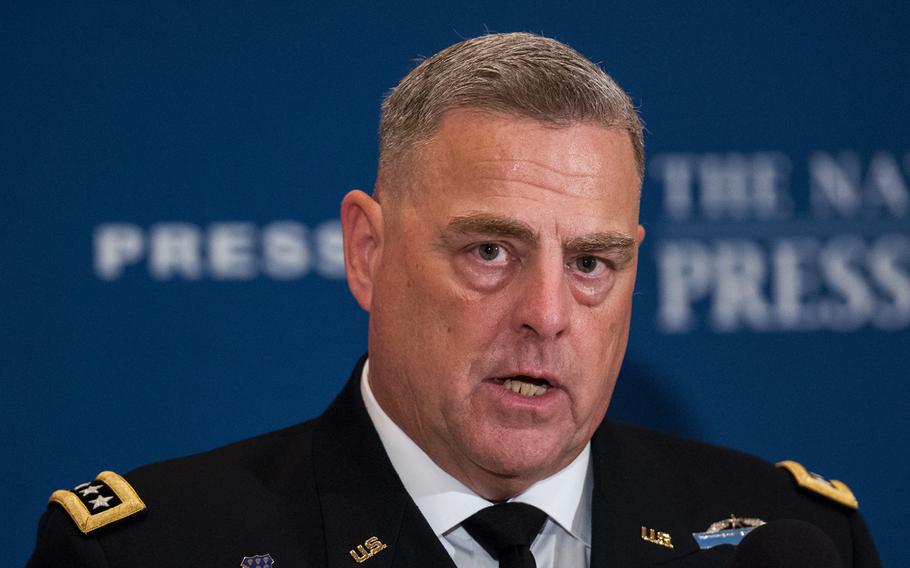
(370, 548)
(656, 537)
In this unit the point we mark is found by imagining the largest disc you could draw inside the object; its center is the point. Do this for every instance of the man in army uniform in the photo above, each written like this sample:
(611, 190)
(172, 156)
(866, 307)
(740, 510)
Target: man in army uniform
(497, 259)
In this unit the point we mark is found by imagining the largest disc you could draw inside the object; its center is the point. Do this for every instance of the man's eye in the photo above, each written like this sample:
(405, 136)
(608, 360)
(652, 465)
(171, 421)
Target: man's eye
(587, 264)
(489, 251)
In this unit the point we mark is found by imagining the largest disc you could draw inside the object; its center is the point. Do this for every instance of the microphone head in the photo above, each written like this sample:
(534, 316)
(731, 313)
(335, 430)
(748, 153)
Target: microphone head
(786, 543)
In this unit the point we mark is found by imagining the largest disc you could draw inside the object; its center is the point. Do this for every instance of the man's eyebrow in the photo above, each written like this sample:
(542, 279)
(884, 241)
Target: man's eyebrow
(610, 242)
(494, 225)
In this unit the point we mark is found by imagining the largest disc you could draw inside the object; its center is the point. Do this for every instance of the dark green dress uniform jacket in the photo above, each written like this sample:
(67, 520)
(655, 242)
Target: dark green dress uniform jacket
(309, 495)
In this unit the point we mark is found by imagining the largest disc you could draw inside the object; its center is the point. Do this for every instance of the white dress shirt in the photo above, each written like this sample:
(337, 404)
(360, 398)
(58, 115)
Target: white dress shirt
(445, 502)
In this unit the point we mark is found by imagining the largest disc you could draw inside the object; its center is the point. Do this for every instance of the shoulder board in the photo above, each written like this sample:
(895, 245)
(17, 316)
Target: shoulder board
(835, 490)
(107, 499)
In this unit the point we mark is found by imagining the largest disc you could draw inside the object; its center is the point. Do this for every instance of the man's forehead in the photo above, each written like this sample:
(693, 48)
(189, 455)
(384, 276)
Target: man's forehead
(471, 133)
(492, 151)
(522, 178)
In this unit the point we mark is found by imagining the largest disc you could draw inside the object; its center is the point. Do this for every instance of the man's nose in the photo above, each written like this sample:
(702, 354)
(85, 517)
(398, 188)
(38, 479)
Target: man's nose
(544, 303)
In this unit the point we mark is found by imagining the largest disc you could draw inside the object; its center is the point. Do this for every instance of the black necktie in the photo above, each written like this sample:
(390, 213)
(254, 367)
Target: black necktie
(506, 531)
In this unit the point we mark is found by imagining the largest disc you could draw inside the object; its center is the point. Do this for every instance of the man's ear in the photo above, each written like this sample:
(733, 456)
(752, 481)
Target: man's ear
(361, 222)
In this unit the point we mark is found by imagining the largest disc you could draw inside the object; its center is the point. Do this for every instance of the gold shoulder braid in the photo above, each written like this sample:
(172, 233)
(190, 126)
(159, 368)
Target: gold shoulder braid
(835, 490)
(107, 499)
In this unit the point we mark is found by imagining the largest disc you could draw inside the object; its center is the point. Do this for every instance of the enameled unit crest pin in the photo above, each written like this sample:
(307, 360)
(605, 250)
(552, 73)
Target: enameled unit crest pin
(257, 561)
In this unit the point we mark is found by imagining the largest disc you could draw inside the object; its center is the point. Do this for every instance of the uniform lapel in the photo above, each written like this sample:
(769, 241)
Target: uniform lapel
(629, 493)
(367, 514)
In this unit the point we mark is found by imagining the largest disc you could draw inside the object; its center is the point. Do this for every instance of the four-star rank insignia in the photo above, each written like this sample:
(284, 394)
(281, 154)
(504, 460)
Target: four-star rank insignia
(107, 499)
(835, 490)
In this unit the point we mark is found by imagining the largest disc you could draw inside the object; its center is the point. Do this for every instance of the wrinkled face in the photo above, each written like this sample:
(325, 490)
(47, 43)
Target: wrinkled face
(501, 295)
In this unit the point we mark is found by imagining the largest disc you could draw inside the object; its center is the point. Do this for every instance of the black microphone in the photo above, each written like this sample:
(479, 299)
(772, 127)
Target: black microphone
(787, 543)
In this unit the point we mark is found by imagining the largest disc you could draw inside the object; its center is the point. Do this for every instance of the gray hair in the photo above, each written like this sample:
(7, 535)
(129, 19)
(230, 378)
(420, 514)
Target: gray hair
(521, 74)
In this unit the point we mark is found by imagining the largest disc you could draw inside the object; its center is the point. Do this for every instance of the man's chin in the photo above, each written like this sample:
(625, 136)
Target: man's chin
(509, 467)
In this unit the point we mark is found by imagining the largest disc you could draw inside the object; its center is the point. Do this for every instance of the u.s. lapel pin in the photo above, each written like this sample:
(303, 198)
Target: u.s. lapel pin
(370, 548)
(656, 537)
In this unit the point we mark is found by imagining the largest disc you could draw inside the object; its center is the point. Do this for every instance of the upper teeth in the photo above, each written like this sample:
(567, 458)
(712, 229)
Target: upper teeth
(523, 388)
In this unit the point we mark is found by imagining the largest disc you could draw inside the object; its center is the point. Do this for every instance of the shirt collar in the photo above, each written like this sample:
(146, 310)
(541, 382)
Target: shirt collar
(445, 502)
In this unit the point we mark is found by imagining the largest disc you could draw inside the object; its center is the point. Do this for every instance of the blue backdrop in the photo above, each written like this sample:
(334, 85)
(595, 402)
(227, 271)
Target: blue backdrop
(171, 176)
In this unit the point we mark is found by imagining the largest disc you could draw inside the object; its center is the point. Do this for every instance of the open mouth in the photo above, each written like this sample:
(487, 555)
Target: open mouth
(525, 386)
